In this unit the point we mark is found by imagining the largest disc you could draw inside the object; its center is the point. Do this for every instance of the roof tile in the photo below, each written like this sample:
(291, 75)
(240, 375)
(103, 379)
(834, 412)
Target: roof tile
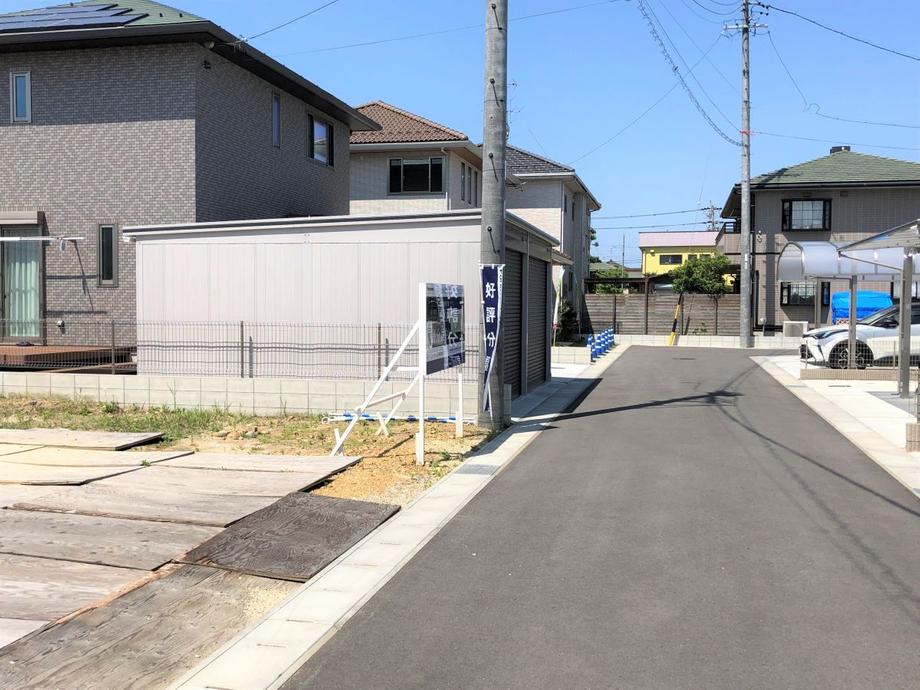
(401, 126)
(842, 167)
(521, 162)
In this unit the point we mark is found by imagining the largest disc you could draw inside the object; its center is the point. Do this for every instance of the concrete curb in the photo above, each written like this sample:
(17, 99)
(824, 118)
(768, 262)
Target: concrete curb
(267, 654)
(901, 465)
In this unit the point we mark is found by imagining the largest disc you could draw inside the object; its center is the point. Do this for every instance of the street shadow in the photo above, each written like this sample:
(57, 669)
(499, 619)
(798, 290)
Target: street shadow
(717, 398)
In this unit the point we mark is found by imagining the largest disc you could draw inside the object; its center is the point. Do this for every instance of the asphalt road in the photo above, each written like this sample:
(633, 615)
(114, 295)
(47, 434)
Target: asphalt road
(690, 525)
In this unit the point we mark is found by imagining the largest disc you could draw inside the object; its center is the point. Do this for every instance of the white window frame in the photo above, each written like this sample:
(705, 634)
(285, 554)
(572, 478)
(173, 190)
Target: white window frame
(28, 118)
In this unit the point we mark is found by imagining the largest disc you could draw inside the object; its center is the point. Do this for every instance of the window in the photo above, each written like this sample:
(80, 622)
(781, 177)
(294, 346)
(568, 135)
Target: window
(565, 202)
(692, 257)
(670, 259)
(320, 140)
(573, 208)
(107, 268)
(476, 188)
(416, 175)
(21, 97)
(276, 120)
(807, 214)
(463, 182)
(797, 294)
(469, 185)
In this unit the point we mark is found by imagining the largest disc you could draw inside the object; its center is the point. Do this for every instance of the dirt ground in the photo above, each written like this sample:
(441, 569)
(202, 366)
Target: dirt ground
(387, 472)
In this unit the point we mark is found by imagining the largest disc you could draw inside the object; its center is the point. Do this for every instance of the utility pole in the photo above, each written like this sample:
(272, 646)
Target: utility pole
(623, 253)
(711, 217)
(747, 338)
(494, 140)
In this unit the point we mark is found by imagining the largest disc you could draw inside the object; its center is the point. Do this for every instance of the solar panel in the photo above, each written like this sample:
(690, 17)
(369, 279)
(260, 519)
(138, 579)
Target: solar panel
(69, 17)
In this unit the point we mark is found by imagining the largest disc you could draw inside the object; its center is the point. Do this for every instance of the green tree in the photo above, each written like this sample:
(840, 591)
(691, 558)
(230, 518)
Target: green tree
(615, 271)
(703, 275)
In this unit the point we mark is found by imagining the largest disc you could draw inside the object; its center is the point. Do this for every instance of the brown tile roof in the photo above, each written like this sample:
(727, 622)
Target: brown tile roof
(401, 126)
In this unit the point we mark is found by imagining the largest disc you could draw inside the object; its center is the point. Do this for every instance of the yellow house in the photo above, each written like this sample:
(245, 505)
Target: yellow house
(664, 251)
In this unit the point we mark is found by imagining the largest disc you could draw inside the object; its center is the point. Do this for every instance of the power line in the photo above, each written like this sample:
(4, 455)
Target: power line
(839, 32)
(696, 45)
(654, 33)
(441, 32)
(836, 141)
(687, 65)
(733, 5)
(646, 111)
(649, 215)
(642, 227)
(291, 21)
(815, 108)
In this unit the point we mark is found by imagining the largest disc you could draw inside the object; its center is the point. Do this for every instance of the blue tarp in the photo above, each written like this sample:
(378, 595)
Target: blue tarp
(867, 302)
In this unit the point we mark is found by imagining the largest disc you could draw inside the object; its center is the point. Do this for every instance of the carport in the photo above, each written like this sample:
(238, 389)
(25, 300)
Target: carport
(885, 256)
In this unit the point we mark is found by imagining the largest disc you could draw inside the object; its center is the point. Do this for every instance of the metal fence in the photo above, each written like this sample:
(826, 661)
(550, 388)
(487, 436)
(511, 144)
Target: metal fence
(225, 349)
(875, 352)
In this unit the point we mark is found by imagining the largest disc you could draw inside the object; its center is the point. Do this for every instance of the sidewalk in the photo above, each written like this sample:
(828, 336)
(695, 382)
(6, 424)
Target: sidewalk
(266, 655)
(860, 411)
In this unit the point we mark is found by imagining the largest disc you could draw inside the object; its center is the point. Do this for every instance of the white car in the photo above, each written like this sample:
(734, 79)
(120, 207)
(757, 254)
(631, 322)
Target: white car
(876, 341)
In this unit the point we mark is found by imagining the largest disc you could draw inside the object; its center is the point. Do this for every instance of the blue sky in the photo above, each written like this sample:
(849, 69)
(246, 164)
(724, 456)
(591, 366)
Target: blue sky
(580, 75)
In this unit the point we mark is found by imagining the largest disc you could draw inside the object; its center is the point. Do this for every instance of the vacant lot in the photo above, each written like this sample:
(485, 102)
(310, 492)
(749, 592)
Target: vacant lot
(387, 474)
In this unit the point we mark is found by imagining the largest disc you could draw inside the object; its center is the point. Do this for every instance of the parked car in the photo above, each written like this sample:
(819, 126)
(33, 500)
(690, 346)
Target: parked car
(876, 341)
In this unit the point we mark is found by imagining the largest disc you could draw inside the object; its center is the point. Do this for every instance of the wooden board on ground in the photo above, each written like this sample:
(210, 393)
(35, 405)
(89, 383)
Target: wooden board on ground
(10, 448)
(65, 438)
(10, 494)
(222, 482)
(80, 457)
(44, 475)
(262, 463)
(294, 538)
(12, 629)
(45, 589)
(147, 638)
(136, 502)
(100, 540)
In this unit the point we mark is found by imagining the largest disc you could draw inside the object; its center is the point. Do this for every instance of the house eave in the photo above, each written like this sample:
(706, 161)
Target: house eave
(225, 44)
(733, 201)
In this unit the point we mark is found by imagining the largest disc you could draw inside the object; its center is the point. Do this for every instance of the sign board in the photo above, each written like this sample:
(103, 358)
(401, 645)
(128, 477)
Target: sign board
(445, 346)
(491, 275)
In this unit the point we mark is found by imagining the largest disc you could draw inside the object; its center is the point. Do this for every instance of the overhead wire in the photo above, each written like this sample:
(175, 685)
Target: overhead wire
(648, 215)
(735, 7)
(645, 112)
(644, 9)
(643, 227)
(815, 108)
(441, 32)
(839, 32)
(290, 21)
(836, 141)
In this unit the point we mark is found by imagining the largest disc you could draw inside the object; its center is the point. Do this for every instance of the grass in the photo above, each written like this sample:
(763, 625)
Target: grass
(21, 412)
(387, 473)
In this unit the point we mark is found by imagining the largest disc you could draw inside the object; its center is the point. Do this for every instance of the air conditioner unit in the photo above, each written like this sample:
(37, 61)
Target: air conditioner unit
(794, 329)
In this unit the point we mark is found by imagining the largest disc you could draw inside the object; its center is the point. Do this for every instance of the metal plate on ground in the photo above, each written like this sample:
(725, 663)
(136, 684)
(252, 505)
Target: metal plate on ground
(46, 589)
(65, 438)
(44, 475)
(12, 629)
(80, 457)
(163, 629)
(294, 538)
(138, 544)
(262, 463)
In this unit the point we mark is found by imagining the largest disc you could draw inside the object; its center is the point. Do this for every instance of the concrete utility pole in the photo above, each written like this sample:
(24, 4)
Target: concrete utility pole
(494, 139)
(747, 338)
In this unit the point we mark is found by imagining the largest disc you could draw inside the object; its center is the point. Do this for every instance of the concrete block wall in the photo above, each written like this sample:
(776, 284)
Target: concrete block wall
(570, 355)
(268, 397)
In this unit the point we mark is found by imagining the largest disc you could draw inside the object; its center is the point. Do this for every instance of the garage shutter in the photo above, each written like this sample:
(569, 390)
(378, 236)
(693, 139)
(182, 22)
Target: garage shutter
(511, 320)
(536, 323)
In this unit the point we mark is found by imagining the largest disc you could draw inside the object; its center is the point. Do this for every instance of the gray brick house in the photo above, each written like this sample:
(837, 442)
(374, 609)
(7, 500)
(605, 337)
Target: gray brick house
(842, 197)
(132, 112)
